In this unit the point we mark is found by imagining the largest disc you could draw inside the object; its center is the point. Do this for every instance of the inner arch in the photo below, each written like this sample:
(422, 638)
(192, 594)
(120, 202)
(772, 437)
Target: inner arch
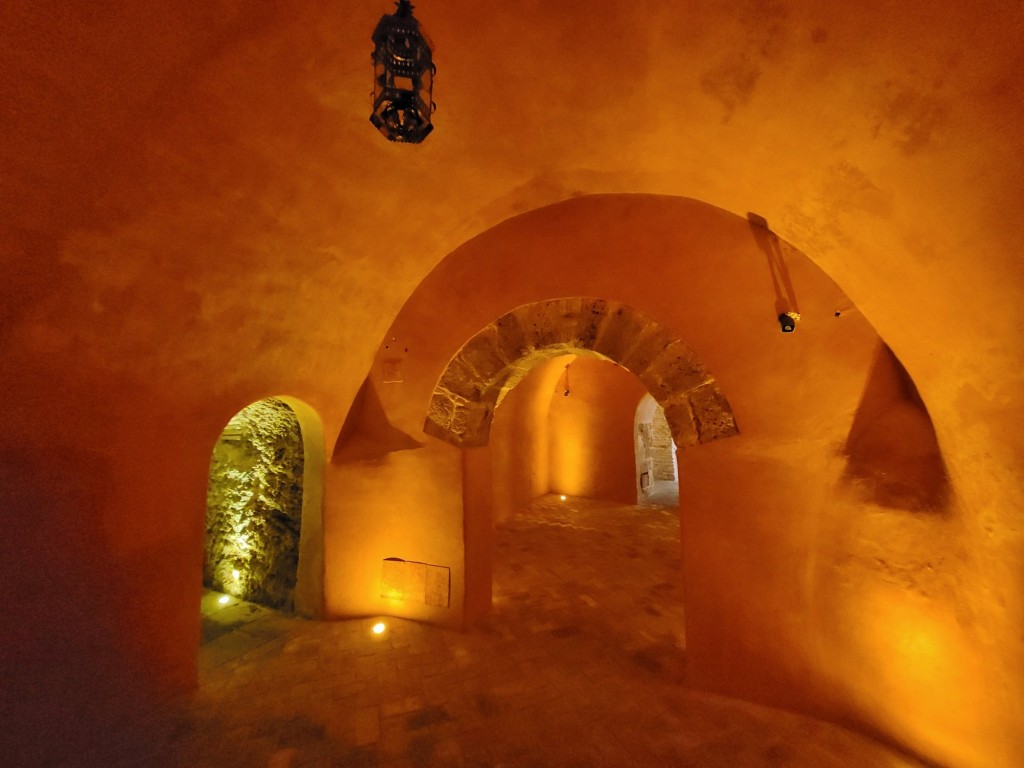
(496, 358)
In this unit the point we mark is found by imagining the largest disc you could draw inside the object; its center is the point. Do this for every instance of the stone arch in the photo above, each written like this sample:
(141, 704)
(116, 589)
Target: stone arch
(494, 360)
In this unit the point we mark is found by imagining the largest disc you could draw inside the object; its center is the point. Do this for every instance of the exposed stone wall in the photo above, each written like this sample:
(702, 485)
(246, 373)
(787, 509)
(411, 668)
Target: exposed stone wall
(645, 468)
(660, 447)
(254, 506)
(500, 355)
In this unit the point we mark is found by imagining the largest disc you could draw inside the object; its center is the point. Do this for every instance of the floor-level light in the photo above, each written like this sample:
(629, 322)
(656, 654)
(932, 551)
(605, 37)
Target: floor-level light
(223, 599)
(378, 628)
(562, 498)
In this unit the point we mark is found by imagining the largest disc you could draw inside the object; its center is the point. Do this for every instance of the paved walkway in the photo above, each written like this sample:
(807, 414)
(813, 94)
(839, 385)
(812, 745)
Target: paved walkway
(663, 493)
(579, 665)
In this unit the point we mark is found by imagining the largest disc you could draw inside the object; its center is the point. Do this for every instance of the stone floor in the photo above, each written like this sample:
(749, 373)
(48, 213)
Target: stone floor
(579, 665)
(663, 493)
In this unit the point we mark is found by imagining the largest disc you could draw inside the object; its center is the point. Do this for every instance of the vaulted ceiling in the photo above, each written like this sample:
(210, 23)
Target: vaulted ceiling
(195, 211)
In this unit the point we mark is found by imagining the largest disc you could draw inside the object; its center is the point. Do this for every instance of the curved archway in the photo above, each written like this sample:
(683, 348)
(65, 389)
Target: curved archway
(501, 354)
(263, 522)
(657, 472)
(309, 580)
(782, 496)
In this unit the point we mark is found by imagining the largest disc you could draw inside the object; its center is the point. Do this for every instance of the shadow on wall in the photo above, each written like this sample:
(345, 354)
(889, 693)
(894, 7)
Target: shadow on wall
(782, 286)
(72, 690)
(367, 435)
(892, 453)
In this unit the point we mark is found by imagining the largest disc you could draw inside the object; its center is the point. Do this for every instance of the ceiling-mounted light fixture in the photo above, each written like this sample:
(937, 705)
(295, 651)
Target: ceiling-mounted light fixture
(788, 320)
(403, 77)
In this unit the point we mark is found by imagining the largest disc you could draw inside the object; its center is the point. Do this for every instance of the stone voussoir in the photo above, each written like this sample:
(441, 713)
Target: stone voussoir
(676, 369)
(482, 356)
(460, 380)
(647, 347)
(511, 337)
(471, 424)
(679, 415)
(617, 332)
(499, 357)
(711, 413)
(592, 314)
(442, 407)
(544, 325)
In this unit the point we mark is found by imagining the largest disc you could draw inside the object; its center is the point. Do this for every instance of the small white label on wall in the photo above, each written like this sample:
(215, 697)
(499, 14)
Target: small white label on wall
(413, 582)
(392, 373)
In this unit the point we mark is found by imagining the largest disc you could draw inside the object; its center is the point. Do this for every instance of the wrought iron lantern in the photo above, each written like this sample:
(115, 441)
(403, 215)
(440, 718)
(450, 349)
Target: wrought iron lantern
(403, 77)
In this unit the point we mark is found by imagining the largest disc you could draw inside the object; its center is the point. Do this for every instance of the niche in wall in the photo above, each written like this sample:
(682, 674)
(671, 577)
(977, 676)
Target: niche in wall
(893, 456)
(254, 506)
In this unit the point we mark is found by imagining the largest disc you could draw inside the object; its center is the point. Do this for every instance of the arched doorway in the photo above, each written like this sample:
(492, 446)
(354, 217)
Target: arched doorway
(657, 471)
(498, 357)
(564, 429)
(263, 539)
(759, 529)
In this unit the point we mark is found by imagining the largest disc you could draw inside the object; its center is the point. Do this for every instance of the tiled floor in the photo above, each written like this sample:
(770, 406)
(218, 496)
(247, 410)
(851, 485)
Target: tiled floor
(579, 665)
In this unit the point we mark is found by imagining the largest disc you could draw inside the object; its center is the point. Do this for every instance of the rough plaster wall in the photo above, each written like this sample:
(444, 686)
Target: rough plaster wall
(591, 432)
(406, 504)
(876, 598)
(519, 442)
(254, 506)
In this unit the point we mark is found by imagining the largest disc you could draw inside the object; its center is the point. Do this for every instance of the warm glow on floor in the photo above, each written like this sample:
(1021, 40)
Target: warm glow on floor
(562, 498)
(378, 628)
(223, 599)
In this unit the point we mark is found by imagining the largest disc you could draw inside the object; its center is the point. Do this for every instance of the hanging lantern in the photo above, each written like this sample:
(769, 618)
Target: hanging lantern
(403, 77)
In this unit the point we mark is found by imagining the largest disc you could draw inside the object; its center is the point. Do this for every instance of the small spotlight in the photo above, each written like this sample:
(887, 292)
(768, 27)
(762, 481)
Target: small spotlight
(562, 498)
(223, 599)
(787, 321)
(234, 574)
(378, 628)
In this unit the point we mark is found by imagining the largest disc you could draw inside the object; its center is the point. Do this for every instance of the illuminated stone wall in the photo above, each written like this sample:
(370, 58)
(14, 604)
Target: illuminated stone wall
(654, 445)
(254, 506)
(660, 446)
